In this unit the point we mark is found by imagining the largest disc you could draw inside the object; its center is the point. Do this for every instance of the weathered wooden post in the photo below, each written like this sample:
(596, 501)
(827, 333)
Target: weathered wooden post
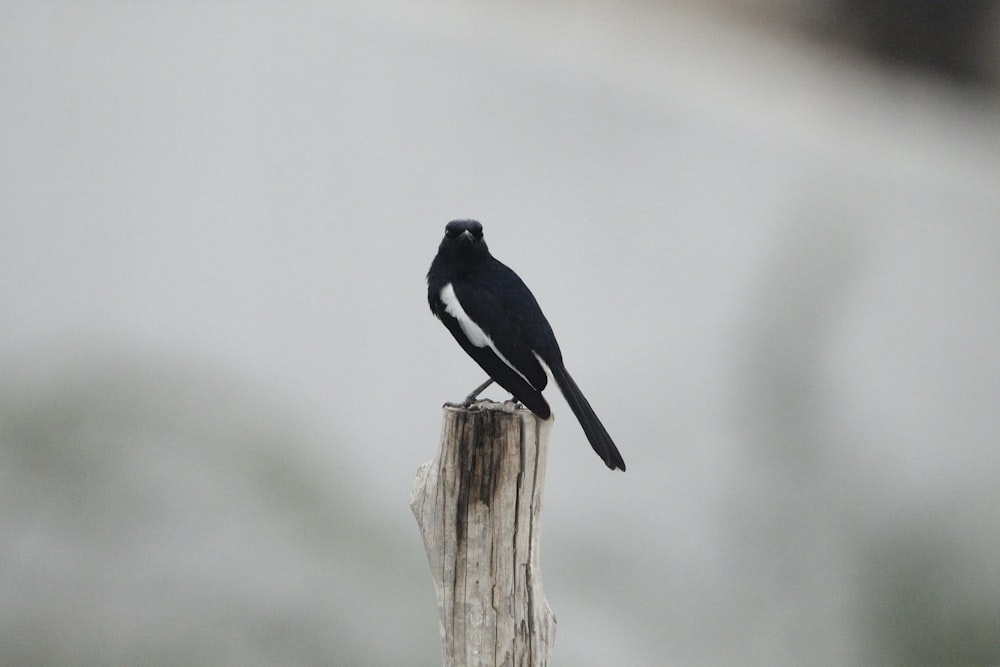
(478, 504)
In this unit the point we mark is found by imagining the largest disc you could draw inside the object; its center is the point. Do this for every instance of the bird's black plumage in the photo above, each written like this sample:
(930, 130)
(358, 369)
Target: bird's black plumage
(495, 318)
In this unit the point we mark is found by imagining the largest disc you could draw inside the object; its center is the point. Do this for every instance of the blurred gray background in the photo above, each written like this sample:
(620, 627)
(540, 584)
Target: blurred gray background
(765, 233)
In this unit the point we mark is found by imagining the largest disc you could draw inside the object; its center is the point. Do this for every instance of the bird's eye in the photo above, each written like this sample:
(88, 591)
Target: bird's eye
(456, 228)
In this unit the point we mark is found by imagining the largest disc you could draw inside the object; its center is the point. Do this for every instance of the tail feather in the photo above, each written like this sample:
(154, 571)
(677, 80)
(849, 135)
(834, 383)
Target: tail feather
(598, 436)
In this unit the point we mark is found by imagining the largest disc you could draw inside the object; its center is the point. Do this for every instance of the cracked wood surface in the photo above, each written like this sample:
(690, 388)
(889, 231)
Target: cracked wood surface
(478, 504)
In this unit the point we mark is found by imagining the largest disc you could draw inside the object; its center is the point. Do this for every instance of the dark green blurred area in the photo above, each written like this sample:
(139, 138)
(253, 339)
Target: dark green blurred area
(958, 40)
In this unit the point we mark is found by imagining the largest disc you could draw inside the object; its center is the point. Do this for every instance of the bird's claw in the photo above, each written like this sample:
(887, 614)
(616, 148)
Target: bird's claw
(472, 397)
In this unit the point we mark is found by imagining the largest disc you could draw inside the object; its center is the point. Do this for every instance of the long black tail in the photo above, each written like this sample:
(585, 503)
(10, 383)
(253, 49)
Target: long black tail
(592, 426)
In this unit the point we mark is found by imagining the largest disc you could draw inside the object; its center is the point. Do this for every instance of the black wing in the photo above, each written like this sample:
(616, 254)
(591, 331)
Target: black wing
(496, 368)
(505, 309)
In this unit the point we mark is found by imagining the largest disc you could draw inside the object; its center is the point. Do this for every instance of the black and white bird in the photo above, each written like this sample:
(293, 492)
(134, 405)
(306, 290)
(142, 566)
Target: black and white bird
(495, 318)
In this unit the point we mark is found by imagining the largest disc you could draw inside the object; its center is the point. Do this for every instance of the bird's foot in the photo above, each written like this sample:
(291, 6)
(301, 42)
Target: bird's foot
(471, 398)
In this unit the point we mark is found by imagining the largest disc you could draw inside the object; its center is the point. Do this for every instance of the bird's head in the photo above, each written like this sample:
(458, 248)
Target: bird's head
(463, 241)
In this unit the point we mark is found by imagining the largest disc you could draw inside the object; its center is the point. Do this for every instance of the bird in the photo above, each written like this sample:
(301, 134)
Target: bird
(497, 321)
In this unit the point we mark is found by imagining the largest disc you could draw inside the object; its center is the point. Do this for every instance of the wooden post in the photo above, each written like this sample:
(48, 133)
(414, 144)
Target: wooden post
(478, 504)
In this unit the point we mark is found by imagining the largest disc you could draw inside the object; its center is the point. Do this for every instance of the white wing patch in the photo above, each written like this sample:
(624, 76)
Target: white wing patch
(472, 331)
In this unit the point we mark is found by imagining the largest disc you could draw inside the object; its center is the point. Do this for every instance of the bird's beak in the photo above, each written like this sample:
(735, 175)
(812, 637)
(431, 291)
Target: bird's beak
(466, 237)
